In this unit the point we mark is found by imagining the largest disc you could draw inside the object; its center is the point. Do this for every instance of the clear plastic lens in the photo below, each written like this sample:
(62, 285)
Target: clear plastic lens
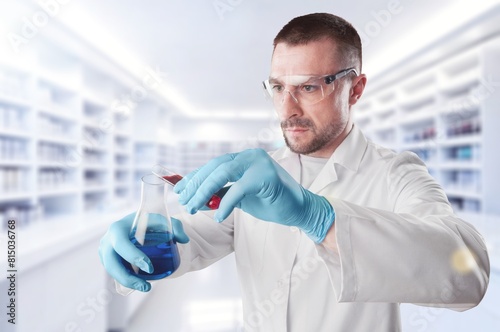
(305, 90)
(308, 93)
(310, 89)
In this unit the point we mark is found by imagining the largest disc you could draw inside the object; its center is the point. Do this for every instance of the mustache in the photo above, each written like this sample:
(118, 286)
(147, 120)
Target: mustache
(303, 123)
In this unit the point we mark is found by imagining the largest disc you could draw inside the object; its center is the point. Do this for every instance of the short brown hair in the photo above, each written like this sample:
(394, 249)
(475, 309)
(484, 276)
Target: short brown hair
(313, 27)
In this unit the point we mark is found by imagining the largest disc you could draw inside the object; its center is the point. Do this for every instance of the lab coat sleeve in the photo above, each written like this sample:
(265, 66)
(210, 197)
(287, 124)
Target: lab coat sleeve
(209, 241)
(419, 252)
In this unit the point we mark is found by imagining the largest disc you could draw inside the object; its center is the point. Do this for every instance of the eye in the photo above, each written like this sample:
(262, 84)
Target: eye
(309, 88)
(276, 88)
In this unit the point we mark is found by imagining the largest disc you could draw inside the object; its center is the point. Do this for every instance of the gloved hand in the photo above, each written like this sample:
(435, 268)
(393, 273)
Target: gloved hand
(261, 188)
(116, 243)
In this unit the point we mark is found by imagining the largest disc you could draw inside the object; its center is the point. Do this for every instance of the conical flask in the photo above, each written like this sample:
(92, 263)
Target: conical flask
(152, 232)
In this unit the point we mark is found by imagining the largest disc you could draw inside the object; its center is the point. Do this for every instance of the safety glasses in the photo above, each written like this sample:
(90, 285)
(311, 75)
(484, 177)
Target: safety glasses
(305, 90)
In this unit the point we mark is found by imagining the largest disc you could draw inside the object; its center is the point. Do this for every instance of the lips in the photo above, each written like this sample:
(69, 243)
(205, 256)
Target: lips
(297, 125)
(296, 129)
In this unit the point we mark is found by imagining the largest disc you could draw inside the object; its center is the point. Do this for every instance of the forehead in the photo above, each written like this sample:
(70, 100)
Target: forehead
(313, 58)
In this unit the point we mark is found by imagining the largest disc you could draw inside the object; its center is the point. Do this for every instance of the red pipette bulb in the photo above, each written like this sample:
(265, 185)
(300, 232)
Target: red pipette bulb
(172, 178)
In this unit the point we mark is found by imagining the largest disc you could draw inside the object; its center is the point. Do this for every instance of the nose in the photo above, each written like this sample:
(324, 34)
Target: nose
(289, 106)
(290, 93)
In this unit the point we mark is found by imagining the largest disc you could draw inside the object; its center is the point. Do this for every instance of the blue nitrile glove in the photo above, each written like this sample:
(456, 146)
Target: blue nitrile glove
(261, 188)
(116, 243)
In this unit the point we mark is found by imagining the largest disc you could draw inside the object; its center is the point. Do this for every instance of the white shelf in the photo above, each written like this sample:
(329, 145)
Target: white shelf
(144, 167)
(95, 167)
(15, 101)
(58, 112)
(92, 123)
(431, 165)
(57, 81)
(63, 191)
(57, 139)
(421, 145)
(425, 116)
(96, 148)
(16, 133)
(15, 196)
(385, 126)
(96, 188)
(15, 162)
(94, 99)
(51, 164)
(460, 165)
(419, 101)
(462, 82)
(122, 133)
(468, 194)
(362, 116)
(123, 152)
(461, 140)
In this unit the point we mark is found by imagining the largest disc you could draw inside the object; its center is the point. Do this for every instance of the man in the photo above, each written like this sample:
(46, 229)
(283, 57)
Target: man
(332, 232)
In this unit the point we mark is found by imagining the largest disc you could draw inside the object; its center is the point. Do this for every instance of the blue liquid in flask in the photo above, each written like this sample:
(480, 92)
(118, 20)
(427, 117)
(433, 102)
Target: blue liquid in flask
(162, 251)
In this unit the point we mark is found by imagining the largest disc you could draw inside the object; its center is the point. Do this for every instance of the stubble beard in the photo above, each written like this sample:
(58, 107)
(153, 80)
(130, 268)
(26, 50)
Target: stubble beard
(321, 138)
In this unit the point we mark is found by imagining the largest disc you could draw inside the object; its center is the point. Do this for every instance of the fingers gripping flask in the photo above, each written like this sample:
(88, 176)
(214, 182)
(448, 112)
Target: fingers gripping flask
(151, 230)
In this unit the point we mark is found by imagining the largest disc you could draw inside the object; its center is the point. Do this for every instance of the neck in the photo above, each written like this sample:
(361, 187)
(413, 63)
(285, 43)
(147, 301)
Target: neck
(329, 149)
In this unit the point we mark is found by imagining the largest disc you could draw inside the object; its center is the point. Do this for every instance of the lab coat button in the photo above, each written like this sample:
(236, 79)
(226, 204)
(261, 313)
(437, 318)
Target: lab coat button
(294, 229)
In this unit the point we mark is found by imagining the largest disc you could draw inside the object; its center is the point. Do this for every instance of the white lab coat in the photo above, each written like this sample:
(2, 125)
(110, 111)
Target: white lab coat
(396, 240)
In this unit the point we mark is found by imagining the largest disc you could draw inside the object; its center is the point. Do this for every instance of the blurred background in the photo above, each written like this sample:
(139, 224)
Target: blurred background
(93, 93)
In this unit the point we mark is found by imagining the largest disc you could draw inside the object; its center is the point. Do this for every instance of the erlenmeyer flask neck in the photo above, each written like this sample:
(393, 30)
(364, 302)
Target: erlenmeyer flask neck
(152, 216)
(153, 194)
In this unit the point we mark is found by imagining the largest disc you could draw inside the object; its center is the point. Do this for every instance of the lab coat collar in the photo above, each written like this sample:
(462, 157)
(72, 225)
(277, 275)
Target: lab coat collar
(348, 155)
(350, 152)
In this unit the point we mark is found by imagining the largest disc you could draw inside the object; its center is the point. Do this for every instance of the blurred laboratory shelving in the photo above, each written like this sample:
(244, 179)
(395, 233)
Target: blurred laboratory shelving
(46, 164)
(65, 149)
(77, 132)
(69, 162)
(442, 104)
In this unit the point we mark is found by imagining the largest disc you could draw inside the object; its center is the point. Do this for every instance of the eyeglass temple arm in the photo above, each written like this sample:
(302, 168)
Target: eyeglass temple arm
(343, 73)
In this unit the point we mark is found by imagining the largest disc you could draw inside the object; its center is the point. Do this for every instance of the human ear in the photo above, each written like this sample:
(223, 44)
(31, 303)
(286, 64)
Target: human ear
(358, 86)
